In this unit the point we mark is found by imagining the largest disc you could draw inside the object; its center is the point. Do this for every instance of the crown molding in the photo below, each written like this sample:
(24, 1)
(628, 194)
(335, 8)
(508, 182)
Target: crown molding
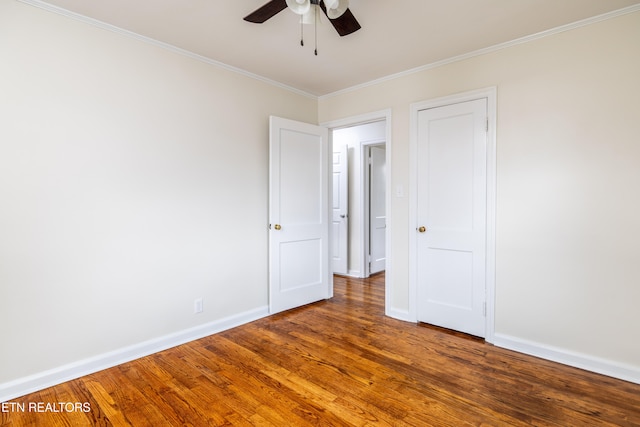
(490, 49)
(130, 34)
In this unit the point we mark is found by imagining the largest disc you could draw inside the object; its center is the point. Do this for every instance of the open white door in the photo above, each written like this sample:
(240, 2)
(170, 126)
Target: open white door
(298, 214)
(377, 208)
(340, 219)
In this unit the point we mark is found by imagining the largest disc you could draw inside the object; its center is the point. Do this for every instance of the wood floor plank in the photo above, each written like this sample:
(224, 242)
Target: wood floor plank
(339, 362)
(273, 401)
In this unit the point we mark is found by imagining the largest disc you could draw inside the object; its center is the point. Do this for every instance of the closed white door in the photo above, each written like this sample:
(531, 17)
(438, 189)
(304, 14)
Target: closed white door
(340, 212)
(451, 216)
(298, 214)
(377, 208)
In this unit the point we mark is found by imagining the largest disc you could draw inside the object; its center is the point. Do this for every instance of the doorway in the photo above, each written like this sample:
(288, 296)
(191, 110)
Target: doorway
(357, 133)
(365, 145)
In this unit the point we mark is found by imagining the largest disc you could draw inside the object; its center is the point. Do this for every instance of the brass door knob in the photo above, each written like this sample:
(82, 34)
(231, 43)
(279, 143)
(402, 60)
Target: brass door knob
(422, 229)
(277, 227)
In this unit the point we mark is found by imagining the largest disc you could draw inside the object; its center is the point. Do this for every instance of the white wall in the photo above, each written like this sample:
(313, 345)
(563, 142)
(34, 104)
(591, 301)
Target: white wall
(568, 173)
(133, 180)
(354, 137)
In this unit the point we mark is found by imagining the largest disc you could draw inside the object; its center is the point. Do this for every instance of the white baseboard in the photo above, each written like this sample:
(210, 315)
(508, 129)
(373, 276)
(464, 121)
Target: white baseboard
(22, 386)
(578, 360)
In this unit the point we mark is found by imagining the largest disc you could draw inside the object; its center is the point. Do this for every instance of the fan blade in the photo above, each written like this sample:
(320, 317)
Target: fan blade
(269, 10)
(345, 24)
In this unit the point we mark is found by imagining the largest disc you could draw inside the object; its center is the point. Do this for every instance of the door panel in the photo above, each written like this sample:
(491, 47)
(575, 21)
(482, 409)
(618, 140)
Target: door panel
(298, 215)
(450, 160)
(455, 269)
(340, 220)
(451, 205)
(299, 264)
(300, 177)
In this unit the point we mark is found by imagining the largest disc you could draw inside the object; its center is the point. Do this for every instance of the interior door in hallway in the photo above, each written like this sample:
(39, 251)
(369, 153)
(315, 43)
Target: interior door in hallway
(340, 210)
(377, 208)
(298, 214)
(451, 216)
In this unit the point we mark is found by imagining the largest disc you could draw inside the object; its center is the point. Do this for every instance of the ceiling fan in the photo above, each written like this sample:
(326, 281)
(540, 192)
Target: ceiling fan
(336, 10)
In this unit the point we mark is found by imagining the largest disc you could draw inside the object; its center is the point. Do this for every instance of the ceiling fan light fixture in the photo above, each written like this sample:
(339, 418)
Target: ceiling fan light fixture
(340, 16)
(299, 7)
(335, 8)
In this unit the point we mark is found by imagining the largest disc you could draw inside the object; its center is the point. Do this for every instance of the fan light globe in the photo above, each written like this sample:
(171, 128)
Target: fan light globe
(335, 8)
(299, 6)
(330, 4)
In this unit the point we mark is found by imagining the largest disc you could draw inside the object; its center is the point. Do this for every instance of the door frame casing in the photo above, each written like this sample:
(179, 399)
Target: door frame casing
(376, 116)
(490, 94)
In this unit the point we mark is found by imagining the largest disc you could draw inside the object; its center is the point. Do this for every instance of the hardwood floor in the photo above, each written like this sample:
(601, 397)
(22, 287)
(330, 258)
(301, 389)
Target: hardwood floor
(337, 362)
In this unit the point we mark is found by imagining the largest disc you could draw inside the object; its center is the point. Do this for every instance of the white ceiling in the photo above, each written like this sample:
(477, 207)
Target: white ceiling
(396, 35)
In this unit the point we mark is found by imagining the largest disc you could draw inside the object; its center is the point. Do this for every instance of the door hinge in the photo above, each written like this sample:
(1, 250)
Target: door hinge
(486, 129)
(484, 309)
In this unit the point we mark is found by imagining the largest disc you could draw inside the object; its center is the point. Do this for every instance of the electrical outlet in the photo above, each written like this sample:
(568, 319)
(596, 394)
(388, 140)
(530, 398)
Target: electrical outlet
(197, 305)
